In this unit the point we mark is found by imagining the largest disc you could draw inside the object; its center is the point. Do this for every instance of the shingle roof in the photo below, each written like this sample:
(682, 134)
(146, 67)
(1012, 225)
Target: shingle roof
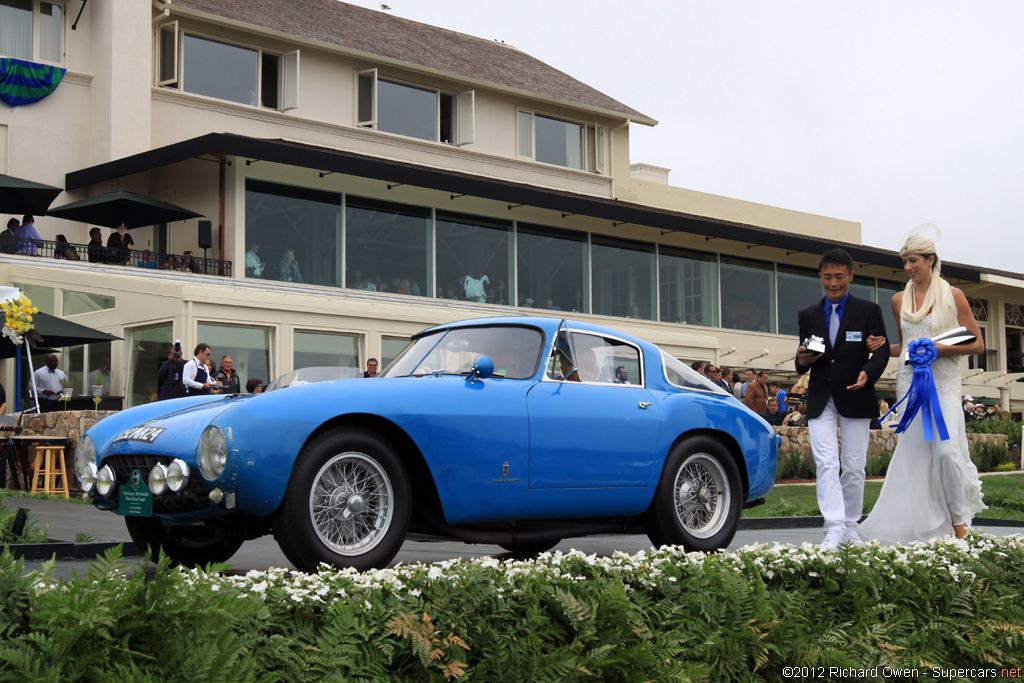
(379, 33)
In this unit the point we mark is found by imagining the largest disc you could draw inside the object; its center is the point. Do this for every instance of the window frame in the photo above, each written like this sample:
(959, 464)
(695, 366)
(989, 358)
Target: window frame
(463, 108)
(171, 35)
(592, 153)
(36, 27)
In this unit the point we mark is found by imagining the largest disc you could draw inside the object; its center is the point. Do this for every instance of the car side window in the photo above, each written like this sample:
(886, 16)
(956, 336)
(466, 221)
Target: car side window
(595, 359)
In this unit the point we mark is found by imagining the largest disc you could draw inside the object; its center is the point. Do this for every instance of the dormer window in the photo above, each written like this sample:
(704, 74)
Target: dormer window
(32, 30)
(414, 111)
(561, 142)
(226, 71)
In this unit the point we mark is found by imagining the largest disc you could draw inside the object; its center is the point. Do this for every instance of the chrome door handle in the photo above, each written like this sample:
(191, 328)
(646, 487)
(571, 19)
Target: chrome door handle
(644, 404)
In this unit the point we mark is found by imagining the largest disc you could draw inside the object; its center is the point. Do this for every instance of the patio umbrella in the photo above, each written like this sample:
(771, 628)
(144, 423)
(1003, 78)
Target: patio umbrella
(57, 333)
(111, 209)
(18, 195)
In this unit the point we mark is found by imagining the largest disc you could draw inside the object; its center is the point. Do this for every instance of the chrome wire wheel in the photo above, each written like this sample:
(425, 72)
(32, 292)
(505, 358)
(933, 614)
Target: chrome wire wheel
(701, 495)
(351, 503)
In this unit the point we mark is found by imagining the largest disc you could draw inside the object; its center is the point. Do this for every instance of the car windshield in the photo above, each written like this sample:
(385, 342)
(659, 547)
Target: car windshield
(685, 377)
(515, 350)
(310, 375)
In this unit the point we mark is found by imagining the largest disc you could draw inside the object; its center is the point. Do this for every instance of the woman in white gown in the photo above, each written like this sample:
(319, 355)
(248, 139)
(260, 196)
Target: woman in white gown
(931, 487)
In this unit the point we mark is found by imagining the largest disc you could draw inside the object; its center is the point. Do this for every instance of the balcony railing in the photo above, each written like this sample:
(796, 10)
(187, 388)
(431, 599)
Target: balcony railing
(130, 258)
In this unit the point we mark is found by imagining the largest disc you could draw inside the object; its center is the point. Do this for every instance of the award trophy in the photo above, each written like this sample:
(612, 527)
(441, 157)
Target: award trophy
(815, 344)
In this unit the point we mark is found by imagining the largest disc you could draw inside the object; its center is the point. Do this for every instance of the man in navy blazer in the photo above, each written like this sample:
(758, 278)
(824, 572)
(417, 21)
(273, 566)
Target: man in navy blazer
(841, 393)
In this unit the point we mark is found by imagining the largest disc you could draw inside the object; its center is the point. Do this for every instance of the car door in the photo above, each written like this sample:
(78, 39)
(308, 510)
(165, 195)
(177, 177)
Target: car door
(593, 433)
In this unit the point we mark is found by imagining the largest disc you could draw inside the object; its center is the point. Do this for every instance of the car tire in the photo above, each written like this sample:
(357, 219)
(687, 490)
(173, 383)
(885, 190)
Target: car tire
(188, 547)
(347, 503)
(698, 501)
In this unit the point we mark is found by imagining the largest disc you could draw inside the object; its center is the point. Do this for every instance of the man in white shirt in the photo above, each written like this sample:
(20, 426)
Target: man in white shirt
(475, 288)
(49, 380)
(194, 377)
(253, 265)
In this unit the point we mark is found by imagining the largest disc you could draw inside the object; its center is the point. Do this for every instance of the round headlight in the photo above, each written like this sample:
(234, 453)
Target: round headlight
(106, 482)
(177, 475)
(158, 479)
(87, 476)
(85, 453)
(213, 453)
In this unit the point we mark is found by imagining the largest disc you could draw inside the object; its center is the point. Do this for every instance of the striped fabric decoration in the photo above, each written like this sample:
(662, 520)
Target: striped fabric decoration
(24, 82)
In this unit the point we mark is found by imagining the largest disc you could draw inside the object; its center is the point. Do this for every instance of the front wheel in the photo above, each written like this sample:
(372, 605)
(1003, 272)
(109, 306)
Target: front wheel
(346, 505)
(188, 546)
(698, 501)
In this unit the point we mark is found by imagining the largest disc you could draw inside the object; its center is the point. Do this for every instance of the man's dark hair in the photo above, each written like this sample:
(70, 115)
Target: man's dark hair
(837, 257)
(251, 385)
(200, 348)
(697, 365)
(763, 372)
(95, 231)
(29, 218)
(775, 384)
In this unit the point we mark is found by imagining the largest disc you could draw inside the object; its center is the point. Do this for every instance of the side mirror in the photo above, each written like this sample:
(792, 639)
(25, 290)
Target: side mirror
(482, 368)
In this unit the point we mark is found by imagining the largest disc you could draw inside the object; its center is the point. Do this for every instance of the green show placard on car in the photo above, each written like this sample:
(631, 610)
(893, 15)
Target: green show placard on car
(135, 499)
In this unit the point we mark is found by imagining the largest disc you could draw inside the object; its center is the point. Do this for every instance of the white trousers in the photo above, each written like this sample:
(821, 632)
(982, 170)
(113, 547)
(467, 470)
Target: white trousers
(840, 497)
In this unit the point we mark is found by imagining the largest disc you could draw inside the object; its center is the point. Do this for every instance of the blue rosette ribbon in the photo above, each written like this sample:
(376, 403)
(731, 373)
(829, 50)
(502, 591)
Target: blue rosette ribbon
(922, 397)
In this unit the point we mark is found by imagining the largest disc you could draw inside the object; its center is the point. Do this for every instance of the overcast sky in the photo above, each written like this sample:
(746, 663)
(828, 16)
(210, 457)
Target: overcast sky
(885, 113)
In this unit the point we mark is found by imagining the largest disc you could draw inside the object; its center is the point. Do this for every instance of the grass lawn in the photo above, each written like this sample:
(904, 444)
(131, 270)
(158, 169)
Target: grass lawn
(1004, 495)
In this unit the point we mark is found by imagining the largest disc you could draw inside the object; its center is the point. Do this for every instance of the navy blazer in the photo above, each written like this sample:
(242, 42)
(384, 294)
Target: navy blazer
(839, 367)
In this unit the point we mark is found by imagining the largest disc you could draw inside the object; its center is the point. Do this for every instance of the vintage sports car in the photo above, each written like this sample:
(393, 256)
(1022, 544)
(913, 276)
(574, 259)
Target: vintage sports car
(516, 431)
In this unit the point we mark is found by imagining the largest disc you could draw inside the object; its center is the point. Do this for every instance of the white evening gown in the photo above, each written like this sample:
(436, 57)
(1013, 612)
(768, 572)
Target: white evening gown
(927, 479)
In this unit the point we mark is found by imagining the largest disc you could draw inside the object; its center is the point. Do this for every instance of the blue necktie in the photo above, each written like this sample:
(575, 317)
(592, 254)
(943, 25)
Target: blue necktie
(833, 325)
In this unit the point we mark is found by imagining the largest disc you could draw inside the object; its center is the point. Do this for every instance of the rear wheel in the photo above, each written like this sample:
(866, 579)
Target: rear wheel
(189, 546)
(698, 501)
(346, 505)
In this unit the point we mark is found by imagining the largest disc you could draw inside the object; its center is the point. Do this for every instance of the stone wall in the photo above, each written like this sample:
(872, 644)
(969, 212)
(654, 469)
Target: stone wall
(67, 423)
(881, 440)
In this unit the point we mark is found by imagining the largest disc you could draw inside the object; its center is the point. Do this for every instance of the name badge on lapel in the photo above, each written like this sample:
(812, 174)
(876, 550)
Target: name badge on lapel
(854, 336)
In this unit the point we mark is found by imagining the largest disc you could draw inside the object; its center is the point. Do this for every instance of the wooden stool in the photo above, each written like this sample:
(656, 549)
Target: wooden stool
(49, 465)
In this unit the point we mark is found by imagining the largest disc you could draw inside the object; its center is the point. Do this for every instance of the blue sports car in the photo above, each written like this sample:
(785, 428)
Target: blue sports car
(517, 431)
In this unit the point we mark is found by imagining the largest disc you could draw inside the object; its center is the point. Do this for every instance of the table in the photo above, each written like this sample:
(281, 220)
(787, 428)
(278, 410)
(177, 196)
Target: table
(87, 403)
(14, 454)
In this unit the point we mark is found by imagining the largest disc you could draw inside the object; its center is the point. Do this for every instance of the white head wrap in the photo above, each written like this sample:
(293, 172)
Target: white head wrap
(938, 300)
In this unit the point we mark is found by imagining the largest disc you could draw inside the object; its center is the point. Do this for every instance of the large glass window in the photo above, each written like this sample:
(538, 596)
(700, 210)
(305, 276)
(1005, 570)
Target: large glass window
(623, 277)
(83, 302)
(89, 366)
(748, 295)
(249, 348)
(552, 269)
(414, 111)
(216, 69)
(390, 347)
(798, 289)
(388, 246)
(405, 110)
(23, 21)
(315, 349)
(297, 232)
(689, 287)
(555, 141)
(41, 297)
(149, 347)
(474, 258)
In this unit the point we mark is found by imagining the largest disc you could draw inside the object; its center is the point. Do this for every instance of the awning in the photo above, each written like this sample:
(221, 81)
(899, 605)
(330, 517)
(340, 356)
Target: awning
(328, 160)
(131, 209)
(18, 195)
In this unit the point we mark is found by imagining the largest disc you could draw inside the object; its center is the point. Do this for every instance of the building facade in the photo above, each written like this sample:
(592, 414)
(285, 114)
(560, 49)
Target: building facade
(394, 175)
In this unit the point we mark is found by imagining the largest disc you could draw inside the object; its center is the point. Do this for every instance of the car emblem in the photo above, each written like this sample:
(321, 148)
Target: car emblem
(504, 470)
(136, 478)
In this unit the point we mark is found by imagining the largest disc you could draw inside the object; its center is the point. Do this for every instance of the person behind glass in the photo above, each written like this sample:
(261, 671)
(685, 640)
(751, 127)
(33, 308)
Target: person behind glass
(475, 288)
(28, 238)
(168, 375)
(254, 386)
(289, 268)
(773, 415)
(147, 260)
(8, 238)
(48, 381)
(371, 368)
(621, 375)
(120, 244)
(211, 372)
(228, 377)
(253, 265)
(840, 394)
(195, 376)
(97, 252)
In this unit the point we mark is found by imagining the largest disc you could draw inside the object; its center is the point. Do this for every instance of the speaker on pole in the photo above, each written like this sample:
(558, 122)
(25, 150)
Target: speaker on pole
(205, 238)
